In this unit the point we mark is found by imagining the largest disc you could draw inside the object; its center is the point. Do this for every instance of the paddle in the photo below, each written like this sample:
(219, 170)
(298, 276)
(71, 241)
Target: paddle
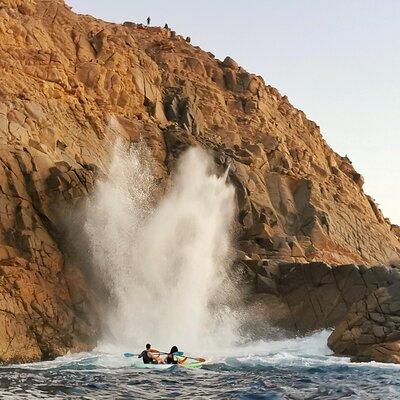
(178, 353)
(199, 359)
(130, 355)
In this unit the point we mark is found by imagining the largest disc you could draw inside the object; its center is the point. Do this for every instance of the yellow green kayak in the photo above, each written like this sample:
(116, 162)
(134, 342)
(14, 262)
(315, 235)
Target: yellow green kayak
(183, 363)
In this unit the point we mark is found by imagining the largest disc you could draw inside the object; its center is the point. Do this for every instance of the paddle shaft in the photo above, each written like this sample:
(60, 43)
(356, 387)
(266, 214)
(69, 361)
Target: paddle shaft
(199, 359)
(178, 353)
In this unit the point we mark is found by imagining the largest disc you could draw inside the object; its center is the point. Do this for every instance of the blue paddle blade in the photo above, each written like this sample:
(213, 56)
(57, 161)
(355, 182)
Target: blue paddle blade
(129, 355)
(178, 353)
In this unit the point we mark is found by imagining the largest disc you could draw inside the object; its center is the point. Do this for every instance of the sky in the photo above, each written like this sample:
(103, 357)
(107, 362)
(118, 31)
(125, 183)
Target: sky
(338, 61)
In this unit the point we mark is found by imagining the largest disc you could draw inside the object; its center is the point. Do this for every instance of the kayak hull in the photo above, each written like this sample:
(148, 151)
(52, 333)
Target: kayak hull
(188, 364)
(152, 366)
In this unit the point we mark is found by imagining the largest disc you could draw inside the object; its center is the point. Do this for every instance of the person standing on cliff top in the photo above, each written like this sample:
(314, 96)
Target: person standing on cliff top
(148, 20)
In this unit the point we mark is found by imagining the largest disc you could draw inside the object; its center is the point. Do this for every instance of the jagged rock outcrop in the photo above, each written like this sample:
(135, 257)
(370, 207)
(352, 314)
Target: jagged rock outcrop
(41, 315)
(303, 298)
(362, 304)
(71, 84)
(371, 328)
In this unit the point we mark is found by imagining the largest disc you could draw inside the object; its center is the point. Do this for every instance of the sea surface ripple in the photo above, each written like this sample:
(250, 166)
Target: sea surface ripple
(299, 368)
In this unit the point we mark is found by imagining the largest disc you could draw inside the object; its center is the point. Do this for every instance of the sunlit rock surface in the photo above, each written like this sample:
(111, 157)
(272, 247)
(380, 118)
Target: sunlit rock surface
(71, 84)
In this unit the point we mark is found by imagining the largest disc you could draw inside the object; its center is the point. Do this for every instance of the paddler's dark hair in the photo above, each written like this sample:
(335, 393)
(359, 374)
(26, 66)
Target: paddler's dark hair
(148, 346)
(174, 349)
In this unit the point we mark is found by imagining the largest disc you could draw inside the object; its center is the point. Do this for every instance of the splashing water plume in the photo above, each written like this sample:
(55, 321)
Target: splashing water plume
(164, 265)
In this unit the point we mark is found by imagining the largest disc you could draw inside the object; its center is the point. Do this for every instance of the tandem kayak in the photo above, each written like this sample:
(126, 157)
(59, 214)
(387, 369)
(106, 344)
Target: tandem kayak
(187, 364)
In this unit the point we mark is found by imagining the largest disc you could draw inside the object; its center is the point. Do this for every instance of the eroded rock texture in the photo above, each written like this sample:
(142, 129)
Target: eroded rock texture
(361, 303)
(70, 85)
(371, 328)
(303, 298)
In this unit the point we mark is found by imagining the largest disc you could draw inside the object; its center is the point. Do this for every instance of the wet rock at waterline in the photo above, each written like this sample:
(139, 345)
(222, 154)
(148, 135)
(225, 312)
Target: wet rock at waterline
(71, 85)
(371, 328)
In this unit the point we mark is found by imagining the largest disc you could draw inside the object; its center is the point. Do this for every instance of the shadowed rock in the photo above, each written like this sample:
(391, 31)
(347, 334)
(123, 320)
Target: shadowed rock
(371, 328)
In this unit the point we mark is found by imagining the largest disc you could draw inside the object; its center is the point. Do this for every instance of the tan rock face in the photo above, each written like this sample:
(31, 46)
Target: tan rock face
(371, 328)
(70, 84)
(309, 297)
(41, 317)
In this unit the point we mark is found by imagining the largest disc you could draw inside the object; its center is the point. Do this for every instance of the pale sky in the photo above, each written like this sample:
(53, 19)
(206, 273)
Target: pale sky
(338, 61)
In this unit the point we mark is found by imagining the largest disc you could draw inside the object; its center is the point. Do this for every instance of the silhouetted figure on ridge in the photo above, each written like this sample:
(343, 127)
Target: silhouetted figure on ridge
(148, 20)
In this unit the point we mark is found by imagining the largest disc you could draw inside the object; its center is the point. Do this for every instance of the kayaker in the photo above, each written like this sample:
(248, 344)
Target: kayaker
(170, 357)
(147, 355)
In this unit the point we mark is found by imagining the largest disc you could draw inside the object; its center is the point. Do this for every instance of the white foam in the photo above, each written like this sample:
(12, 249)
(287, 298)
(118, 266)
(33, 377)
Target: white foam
(305, 352)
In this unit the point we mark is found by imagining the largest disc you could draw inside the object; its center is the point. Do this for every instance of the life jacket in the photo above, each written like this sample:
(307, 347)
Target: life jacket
(146, 359)
(170, 359)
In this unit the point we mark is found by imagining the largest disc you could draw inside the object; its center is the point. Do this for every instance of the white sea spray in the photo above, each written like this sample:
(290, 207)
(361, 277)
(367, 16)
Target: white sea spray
(164, 264)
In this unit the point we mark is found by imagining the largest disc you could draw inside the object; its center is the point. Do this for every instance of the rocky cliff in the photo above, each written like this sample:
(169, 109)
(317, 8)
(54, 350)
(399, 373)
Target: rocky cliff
(303, 298)
(371, 328)
(71, 84)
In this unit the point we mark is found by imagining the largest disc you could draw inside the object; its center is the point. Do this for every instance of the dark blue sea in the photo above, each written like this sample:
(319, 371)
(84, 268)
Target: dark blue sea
(299, 368)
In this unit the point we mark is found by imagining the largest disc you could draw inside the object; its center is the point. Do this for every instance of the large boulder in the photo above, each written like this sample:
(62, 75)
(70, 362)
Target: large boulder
(309, 297)
(371, 328)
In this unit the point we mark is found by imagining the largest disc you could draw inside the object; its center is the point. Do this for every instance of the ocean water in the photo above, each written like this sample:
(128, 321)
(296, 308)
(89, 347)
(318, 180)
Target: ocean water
(182, 247)
(299, 368)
